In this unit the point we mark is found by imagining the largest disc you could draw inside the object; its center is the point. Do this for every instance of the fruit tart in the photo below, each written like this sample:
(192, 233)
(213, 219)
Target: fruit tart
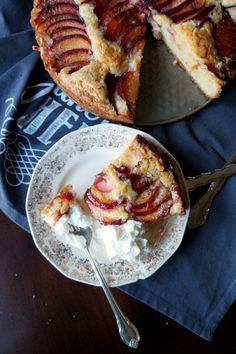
(140, 185)
(93, 49)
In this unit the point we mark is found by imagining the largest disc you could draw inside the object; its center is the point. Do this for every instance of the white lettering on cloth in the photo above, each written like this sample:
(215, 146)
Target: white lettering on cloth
(61, 120)
(41, 116)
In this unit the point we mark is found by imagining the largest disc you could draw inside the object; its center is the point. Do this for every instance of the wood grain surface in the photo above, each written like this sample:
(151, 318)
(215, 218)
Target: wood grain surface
(42, 312)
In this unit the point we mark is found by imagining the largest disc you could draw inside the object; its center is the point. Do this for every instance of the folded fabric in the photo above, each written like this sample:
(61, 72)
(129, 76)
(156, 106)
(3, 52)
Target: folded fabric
(197, 285)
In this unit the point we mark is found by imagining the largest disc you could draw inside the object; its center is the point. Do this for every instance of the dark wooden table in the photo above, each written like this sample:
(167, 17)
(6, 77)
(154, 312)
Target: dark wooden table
(43, 312)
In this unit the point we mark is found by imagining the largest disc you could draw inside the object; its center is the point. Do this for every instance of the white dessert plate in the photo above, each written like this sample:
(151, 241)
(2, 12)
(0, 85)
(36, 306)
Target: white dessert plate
(76, 159)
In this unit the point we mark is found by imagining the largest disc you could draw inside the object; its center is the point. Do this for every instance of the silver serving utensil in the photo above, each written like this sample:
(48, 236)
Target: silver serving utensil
(128, 332)
(207, 177)
(200, 210)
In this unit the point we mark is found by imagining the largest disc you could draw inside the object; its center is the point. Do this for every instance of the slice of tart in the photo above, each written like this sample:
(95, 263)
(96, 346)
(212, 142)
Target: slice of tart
(93, 51)
(138, 186)
(60, 205)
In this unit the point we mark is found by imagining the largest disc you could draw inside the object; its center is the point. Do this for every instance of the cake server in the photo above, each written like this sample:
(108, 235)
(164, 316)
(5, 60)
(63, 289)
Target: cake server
(207, 177)
(200, 210)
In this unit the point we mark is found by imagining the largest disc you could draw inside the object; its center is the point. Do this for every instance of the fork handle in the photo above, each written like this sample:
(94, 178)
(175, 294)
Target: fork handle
(128, 332)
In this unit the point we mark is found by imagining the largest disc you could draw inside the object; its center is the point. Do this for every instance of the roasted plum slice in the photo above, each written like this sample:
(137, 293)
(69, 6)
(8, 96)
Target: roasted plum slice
(126, 86)
(56, 2)
(156, 214)
(118, 23)
(146, 198)
(64, 23)
(129, 88)
(103, 184)
(174, 7)
(67, 31)
(100, 193)
(138, 45)
(140, 182)
(152, 204)
(114, 216)
(224, 34)
(160, 4)
(132, 35)
(182, 11)
(199, 15)
(70, 42)
(112, 11)
(77, 66)
(93, 199)
(60, 20)
(74, 57)
(61, 8)
(100, 6)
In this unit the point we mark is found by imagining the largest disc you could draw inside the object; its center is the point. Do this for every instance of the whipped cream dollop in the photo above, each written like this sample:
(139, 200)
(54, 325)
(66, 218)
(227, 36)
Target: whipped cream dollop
(109, 243)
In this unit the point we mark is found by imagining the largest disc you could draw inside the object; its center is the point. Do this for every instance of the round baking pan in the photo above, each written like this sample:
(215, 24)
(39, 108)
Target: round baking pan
(167, 93)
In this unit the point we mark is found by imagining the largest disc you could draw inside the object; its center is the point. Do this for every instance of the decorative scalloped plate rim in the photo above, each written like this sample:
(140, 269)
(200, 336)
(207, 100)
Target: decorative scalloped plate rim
(61, 165)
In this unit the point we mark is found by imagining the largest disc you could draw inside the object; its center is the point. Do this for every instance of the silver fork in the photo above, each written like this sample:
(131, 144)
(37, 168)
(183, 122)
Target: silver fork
(128, 332)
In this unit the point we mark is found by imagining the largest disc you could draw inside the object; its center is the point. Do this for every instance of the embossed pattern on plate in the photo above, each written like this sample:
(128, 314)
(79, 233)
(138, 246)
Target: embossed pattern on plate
(167, 93)
(76, 158)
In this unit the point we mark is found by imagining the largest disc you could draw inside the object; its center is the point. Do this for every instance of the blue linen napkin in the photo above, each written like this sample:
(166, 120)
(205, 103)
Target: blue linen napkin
(198, 283)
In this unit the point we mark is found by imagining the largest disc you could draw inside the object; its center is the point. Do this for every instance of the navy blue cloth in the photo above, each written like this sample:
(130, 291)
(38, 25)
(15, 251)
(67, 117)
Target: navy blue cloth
(198, 283)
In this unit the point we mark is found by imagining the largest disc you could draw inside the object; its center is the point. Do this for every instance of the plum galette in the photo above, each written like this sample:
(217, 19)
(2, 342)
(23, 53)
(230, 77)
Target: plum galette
(139, 185)
(93, 48)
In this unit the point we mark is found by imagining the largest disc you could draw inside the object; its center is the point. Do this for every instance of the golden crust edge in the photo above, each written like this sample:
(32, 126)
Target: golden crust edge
(81, 99)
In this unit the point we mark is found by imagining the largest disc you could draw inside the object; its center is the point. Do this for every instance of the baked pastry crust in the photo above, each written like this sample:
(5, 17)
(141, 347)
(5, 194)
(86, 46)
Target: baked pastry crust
(138, 185)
